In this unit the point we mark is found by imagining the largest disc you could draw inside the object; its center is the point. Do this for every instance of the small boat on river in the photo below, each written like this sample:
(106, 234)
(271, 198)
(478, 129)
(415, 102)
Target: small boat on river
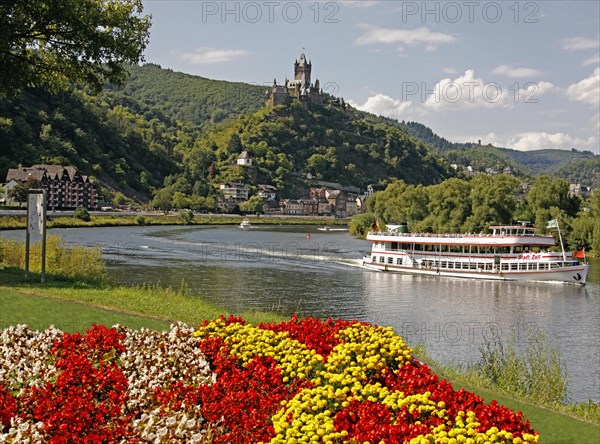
(328, 228)
(245, 224)
(509, 253)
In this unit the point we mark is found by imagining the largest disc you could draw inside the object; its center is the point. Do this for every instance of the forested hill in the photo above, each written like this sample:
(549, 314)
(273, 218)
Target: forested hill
(189, 98)
(125, 144)
(293, 146)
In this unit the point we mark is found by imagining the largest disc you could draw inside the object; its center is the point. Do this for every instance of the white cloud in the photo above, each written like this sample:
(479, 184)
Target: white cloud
(593, 60)
(383, 105)
(206, 55)
(450, 70)
(357, 3)
(579, 43)
(465, 92)
(509, 71)
(468, 91)
(542, 140)
(410, 37)
(586, 90)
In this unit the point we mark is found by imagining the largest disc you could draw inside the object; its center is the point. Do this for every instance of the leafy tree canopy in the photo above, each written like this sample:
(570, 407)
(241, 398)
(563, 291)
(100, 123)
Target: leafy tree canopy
(52, 43)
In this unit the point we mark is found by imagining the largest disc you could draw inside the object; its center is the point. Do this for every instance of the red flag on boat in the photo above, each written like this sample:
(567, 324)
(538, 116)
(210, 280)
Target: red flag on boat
(375, 226)
(580, 254)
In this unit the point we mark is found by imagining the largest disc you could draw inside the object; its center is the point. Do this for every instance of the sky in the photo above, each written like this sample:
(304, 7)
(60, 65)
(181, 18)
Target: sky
(522, 75)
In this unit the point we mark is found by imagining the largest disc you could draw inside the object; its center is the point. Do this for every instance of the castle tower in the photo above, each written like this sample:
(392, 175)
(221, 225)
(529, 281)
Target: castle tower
(302, 71)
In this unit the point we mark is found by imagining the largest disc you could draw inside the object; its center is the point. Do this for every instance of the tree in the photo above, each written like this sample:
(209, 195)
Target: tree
(52, 43)
(253, 205)
(19, 192)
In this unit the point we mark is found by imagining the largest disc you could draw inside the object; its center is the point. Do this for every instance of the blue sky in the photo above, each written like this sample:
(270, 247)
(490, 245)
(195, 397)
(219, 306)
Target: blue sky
(523, 75)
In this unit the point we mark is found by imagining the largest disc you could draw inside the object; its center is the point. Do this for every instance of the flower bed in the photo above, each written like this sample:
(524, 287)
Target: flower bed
(229, 382)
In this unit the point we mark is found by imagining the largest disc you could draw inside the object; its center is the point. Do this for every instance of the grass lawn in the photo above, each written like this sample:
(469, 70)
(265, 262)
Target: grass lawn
(39, 312)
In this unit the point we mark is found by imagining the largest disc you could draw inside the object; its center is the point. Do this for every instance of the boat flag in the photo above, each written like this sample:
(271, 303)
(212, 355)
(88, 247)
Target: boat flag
(580, 254)
(375, 226)
(553, 223)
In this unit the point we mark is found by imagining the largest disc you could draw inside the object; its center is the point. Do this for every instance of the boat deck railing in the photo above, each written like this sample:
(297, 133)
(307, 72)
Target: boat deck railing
(451, 236)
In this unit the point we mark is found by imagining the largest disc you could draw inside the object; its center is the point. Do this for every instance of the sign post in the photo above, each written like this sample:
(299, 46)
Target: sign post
(36, 223)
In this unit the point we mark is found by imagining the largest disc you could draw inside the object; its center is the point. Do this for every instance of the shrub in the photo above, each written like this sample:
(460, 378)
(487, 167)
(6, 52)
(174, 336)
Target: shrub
(187, 216)
(140, 220)
(83, 214)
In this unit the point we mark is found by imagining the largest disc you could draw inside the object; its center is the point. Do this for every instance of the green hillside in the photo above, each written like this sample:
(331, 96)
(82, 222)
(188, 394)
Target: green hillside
(583, 171)
(547, 161)
(120, 142)
(292, 146)
(188, 98)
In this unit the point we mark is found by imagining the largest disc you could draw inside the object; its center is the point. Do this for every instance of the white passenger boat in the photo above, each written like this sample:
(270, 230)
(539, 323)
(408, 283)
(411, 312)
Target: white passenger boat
(245, 224)
(509, 253)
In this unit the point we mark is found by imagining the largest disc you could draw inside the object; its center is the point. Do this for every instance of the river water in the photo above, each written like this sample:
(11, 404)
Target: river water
(278, 268)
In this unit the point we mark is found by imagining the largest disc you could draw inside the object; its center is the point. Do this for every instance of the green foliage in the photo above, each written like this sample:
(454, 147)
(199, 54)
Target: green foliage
(457, 205)
(330, 143)
(191, 99)
(72, 261)
(187, 216)
(82, 214)
(121, 199)
(361, 224)
(549, 160)
(54, 43)
(97, 135)
(19, 192)
(549, 198)
(583, 171)
(140, 220)
(538, 374)
(252, 205)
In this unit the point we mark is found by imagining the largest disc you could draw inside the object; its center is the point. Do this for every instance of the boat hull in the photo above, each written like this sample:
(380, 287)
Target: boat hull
(573, 275)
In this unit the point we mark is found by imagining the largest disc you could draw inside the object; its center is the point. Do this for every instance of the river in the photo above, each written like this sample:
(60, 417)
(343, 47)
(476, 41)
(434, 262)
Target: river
(278, 268)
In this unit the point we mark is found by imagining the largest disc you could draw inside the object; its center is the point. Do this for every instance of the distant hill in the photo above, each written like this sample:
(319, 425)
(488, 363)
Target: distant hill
(547, 161)
(583, 171)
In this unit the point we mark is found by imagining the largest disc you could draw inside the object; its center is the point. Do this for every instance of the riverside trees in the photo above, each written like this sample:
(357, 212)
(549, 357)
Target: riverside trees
(457, 205)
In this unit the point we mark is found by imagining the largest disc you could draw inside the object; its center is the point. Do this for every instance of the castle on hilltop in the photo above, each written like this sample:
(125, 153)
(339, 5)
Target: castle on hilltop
(300, 88)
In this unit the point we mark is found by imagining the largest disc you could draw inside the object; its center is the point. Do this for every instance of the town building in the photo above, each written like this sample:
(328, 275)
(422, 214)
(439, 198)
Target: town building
(236, 191)
(244, 159)
(267, 192)
(300, 88)
(66, 187)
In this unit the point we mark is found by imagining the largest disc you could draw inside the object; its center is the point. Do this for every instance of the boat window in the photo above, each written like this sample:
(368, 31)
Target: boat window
(394, 246)
(399, 261)
(390, 260)
(504, 266)
(406, 246)
(374, 259)
(473, 266)
(381, 259)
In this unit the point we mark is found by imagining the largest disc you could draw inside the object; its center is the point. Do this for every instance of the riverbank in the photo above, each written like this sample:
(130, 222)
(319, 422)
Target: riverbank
(115, 220)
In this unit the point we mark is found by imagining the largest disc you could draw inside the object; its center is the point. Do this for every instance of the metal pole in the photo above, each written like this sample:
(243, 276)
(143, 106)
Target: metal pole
(561, 242)
(44, 203)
